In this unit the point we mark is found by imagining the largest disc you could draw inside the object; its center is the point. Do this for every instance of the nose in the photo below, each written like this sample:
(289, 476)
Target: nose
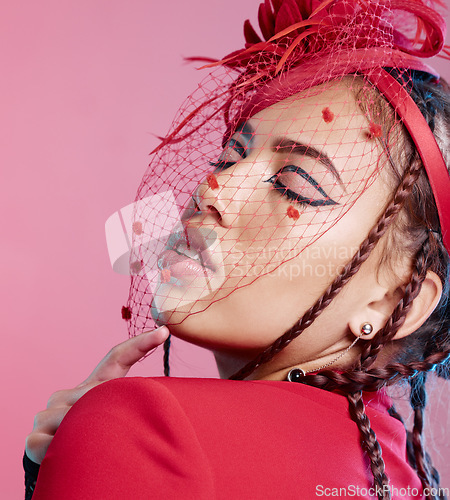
(214, 199)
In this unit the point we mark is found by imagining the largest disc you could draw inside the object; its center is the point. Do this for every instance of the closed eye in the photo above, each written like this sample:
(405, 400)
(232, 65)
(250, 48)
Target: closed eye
(298, 186)
(291, 181)
(233, 152)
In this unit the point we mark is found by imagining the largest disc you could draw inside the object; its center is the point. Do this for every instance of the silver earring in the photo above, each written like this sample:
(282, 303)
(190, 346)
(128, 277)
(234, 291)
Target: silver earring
(366, 329)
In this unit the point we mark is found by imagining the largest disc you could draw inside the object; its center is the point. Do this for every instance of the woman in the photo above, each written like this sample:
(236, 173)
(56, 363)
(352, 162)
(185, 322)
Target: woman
(314, 251)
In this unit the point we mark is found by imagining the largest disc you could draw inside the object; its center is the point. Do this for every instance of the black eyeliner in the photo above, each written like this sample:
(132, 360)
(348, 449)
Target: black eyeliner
(305, 175)
(291, 195)
(238, 147)
(221, 165)
(235, 146)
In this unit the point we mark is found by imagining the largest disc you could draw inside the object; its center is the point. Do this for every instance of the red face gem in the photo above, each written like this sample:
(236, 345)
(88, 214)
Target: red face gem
(374, 130)
(136, 266)
(328, 115)
(292, 213)
(165, 276)
(212, 181)
(126, 313)
(137, 227)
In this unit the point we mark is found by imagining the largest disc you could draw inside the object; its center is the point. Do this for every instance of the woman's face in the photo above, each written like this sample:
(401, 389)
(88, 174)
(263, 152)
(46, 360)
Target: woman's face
(294, 193)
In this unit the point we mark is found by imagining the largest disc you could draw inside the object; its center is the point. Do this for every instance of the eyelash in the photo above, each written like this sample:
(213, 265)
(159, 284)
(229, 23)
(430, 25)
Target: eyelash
(221, 165)
(278, 186)
(298, 198)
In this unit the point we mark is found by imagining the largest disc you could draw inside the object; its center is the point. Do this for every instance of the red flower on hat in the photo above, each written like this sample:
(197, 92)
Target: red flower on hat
(297, 30)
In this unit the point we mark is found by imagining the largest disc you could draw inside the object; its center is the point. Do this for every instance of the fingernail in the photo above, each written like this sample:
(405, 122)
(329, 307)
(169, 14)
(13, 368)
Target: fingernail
(159, 329)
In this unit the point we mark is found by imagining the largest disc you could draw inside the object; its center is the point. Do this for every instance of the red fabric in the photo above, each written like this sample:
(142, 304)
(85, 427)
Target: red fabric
(142, 438)
(426, 144)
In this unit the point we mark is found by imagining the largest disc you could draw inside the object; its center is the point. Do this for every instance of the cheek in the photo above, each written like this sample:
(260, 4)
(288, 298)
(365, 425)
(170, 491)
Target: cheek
(263, 249)
(249, 319)
(256, 315)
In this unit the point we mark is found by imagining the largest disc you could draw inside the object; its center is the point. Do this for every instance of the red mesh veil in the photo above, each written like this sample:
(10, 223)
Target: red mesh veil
(278, 144)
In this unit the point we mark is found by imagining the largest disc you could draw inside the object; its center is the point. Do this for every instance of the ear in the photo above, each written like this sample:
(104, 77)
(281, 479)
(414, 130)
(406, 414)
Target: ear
(382, 303)
(423, 305)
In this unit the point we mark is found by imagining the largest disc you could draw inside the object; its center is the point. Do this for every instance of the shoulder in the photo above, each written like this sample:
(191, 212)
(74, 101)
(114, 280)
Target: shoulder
(246, 439)
(141, 408)
(254, 439)
(166, 396)
(191, 411)
(125, 438)
(297, 426)
(186, 401)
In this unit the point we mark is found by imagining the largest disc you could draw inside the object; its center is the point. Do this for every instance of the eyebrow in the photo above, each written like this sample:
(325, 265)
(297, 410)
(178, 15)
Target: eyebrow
(246, 130)
(308, 150)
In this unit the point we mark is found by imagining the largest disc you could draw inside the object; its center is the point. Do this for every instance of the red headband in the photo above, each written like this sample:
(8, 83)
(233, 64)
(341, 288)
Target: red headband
(424, 140)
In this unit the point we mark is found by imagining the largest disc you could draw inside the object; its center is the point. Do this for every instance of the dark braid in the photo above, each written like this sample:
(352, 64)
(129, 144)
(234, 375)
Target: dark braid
(369, 440)
(375, 378)
(404, 189)
(410, 449)
(428, 475)
(395, 414)
(166, 356)
(418, 402)
(370, 444)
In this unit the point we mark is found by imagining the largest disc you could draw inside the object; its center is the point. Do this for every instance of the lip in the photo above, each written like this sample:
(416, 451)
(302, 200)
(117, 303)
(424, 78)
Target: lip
(181, 266)
(198, 240)
(187, 253)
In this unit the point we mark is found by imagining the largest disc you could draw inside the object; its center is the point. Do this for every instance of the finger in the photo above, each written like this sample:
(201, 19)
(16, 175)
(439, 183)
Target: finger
(36, 446)
(47, 421)
(122, 357)
(68, 397)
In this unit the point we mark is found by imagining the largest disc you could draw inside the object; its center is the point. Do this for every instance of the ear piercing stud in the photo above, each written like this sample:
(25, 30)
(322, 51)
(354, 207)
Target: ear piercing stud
(366, 329)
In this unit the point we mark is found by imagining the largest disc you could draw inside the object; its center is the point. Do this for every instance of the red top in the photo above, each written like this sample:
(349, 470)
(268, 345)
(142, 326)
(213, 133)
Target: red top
(173, 438)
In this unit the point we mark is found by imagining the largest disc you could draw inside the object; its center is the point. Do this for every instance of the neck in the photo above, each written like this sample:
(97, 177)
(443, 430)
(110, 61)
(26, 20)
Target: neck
(229, 364)
(277, 369)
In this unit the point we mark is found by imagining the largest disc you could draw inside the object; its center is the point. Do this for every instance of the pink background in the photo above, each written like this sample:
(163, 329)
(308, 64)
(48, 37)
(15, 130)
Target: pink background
(84, 86)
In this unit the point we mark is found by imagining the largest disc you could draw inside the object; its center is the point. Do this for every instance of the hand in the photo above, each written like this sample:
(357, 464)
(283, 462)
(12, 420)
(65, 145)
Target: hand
(115, 364)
